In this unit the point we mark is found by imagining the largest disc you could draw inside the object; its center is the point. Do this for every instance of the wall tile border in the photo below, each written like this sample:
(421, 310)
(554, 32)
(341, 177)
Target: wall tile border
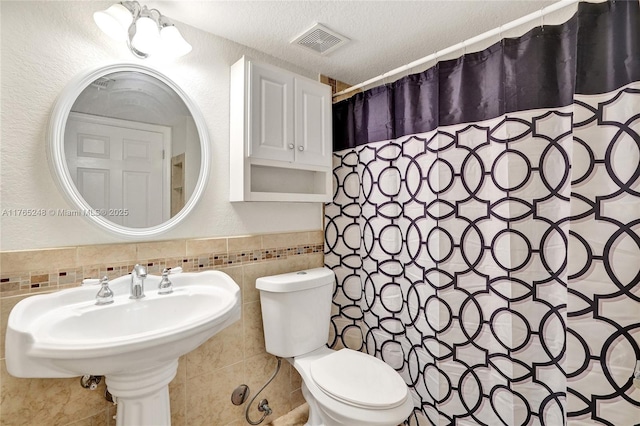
(35, 271)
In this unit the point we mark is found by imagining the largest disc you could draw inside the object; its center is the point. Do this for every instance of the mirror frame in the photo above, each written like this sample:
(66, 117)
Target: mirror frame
(57, 160)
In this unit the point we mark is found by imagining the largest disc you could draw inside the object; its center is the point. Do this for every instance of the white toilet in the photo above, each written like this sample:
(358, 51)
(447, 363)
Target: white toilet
(342, 387)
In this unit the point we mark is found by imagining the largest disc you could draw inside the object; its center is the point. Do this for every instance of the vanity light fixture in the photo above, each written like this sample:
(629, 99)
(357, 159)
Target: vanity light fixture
(146, 31)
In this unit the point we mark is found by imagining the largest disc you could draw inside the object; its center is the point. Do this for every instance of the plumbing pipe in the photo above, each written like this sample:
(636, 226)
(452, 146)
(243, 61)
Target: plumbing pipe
(263, 405)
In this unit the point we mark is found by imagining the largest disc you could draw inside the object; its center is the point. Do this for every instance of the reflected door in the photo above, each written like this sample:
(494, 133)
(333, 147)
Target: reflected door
(120, 167)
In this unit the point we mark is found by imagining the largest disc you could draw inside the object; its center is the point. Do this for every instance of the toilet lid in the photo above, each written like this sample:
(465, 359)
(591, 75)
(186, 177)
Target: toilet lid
(359, 379)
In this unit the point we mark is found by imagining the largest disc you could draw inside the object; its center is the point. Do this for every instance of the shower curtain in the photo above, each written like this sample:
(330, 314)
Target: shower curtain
(485, 227)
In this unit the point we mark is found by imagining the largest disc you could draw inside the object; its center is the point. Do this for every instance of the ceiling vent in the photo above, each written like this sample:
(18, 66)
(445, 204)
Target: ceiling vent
(320, 39)
(102, 83)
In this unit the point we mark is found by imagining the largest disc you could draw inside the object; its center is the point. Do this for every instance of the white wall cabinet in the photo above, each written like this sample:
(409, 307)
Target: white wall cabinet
(280, 135)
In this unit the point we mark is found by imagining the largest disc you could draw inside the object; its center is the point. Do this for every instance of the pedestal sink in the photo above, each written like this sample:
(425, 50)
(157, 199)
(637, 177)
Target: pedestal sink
(134, 343)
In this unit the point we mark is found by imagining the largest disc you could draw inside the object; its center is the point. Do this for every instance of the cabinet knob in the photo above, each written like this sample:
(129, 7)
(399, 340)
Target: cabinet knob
(301, 148)
(291, 146)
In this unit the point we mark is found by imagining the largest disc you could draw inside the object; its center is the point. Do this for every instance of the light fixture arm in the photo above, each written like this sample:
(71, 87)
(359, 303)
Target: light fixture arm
(133, 7)
(151, 11)
(164, 22)
(136, 10)
(136, 52)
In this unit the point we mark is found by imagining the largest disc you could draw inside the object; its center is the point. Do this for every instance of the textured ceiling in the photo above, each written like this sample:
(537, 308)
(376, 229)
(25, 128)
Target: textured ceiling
(384, 34)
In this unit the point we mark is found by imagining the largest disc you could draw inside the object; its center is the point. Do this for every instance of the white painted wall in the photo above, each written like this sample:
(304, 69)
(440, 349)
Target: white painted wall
(42, 46)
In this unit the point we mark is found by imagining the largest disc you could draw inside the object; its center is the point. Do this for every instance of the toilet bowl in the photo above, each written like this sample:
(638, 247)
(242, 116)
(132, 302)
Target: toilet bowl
(367, 395)
(343, 387)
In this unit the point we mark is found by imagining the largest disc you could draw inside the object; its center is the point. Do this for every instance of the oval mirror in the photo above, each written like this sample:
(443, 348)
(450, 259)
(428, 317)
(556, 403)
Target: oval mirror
(129, 149)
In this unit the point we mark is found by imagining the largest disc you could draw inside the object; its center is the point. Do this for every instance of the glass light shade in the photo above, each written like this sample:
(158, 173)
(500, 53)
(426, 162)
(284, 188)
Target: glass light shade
(174, 44)
(114, 21)
(147, 37)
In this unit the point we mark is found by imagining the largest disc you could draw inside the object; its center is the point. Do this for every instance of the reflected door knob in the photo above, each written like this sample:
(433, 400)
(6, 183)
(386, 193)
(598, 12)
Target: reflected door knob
(301, 148)
(291, 146)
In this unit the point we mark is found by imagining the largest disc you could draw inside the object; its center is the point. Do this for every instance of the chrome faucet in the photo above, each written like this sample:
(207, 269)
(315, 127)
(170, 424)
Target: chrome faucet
(138, 275)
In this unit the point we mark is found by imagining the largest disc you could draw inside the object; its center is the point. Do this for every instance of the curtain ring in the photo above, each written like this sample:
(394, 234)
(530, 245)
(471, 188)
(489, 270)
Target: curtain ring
(542, 19)
(385, 79)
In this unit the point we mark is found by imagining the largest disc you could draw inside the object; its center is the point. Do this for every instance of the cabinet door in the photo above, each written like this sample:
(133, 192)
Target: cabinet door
(313, 123)
(271, 114)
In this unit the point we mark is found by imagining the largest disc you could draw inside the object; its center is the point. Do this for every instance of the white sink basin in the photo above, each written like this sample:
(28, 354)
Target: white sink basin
(65, 334)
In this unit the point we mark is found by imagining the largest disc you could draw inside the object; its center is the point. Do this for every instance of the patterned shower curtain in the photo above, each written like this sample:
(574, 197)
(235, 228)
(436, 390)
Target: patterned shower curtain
(485, 228)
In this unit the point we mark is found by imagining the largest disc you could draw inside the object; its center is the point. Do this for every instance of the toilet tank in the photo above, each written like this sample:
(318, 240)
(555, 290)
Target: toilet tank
(296, 311)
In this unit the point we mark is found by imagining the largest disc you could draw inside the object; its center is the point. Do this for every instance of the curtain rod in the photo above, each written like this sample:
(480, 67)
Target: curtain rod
(496, 31)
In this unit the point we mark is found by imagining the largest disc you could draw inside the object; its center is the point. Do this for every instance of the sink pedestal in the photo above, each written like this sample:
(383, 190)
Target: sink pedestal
(143, 397)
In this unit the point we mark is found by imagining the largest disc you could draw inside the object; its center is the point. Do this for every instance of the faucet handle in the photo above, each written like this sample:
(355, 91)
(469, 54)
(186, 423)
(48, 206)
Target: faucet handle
(176, 270)
(105, 295)
(165, 286)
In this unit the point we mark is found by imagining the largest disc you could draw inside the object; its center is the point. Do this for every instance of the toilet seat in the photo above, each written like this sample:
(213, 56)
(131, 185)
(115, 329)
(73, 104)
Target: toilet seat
(360, 380)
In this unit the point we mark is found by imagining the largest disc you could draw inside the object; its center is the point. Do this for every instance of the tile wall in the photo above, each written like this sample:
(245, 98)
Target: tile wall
(200, 393)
